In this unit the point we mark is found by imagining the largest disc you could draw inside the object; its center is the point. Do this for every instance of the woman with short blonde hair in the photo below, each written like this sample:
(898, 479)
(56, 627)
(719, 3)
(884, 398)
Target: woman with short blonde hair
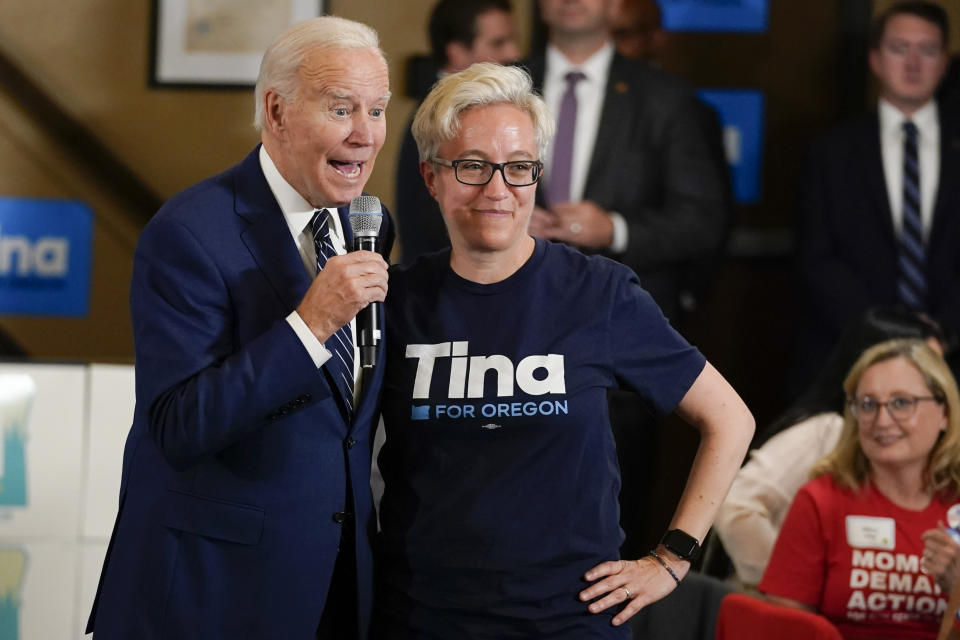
(500, 515)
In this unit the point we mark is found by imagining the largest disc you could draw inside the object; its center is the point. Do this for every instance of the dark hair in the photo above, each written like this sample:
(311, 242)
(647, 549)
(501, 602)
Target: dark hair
(928, 11)
(877, 324)
(456, 21)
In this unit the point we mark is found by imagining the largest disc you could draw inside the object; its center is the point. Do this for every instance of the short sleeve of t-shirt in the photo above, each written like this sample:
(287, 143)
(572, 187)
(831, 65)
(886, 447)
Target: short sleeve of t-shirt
(797, 566)
(641, 341)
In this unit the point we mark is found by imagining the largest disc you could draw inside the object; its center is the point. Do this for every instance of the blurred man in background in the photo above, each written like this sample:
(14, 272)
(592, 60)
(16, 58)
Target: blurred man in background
(637, 30)
(462, 32)
(880, 199)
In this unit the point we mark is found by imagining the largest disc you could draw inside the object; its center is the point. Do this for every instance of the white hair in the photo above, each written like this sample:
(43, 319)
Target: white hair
(484, 83)
(279, 69)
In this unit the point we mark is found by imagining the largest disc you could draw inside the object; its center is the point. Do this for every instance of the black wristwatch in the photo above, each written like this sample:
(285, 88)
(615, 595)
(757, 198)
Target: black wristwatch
(681, 544)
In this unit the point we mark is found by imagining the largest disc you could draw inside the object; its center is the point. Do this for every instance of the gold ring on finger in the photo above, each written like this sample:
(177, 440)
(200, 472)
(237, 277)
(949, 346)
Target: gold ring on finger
(626, 591)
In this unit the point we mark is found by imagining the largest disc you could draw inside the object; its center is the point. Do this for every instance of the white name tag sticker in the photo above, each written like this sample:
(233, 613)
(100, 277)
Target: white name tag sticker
(867, 532)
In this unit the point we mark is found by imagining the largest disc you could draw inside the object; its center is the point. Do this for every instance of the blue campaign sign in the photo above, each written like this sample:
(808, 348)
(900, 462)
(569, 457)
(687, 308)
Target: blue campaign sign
(45, 255)
(748, 16)
(741, 113)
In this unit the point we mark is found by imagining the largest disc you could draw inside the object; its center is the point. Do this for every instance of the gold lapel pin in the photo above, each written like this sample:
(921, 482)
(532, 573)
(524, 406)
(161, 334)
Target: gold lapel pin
(621, 87)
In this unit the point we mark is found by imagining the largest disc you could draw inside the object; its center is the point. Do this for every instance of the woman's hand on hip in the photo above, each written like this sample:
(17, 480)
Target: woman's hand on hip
(634, 582)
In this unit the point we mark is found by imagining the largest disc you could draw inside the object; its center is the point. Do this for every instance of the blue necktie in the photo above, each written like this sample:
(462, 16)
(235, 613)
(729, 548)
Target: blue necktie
(340, 344)
(912, 283)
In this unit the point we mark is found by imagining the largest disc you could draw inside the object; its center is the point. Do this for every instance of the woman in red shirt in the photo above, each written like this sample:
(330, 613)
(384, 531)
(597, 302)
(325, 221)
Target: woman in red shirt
(864, 543)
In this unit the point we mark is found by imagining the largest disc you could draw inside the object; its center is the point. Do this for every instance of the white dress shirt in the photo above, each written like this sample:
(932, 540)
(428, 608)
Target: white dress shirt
(590, 93)
(297, 213)
(928, 155)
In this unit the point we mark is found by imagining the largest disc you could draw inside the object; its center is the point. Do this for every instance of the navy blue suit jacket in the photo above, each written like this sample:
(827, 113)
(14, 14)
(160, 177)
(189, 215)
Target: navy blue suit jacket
(846, 244)
(239, 453)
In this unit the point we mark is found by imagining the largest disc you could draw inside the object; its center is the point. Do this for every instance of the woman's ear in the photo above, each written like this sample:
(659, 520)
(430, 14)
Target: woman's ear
(429, 177)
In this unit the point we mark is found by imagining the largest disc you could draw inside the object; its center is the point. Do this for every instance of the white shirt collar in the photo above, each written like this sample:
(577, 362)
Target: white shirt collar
(891, 119)
(296, 210)
(595, 67)
(892, 138)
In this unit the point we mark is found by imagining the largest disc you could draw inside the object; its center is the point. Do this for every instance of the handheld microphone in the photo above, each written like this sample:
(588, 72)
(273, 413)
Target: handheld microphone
(365, 219)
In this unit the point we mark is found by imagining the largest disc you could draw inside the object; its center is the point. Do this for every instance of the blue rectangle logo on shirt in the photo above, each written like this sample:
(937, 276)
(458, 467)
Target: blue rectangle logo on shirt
(737, 16)
(420, 412)
(45, 256)
(741, 113)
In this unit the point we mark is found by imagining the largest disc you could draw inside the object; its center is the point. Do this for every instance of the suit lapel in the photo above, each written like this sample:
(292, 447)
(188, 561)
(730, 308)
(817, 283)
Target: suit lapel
(876, 183)
(616, 111)
(944, 208)
(267, 236)
(268, 239)
(344, 213)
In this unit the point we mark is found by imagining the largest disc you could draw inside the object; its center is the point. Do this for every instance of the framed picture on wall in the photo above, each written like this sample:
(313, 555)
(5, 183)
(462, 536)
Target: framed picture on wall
(218, 43)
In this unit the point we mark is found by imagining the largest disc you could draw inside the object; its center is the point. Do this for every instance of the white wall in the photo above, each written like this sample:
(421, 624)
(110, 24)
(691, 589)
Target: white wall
(53, 537)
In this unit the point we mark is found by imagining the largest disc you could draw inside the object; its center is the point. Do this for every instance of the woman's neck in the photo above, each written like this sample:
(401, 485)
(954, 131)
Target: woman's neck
(487, 267)
(903, 486)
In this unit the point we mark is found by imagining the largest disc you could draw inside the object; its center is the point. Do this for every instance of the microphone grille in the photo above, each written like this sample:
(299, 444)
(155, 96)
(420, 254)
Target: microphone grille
(365, 216)
(365, 204)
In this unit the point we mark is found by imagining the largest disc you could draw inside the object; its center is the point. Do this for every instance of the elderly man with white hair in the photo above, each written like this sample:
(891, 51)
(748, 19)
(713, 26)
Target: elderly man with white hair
(245, 507)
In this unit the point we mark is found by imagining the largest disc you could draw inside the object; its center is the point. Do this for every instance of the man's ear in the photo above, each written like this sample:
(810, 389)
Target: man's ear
(874, 59)
(429, 177)
(458, 56)
(274, 110)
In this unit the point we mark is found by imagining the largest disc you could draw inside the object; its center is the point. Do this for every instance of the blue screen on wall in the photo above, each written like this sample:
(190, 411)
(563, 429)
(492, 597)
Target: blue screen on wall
(45, 256)
(741, 113)
(748, 16)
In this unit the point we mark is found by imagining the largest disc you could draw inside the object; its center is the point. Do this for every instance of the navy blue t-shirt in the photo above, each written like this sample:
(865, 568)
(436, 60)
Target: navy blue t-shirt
(500, 468)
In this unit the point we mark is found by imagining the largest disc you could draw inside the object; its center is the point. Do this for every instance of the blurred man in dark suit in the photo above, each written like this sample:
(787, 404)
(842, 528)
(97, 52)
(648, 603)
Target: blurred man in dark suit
(634, 178)
(461, 32)
(880, 207)
(637, 30)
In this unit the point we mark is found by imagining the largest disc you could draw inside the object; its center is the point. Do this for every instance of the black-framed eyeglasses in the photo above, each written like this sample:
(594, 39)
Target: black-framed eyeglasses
(518, 173)
(865, 409)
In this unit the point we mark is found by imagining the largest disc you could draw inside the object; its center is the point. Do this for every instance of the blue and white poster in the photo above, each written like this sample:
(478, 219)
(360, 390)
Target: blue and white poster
(741, 113)
(735, 16)
(45, 256)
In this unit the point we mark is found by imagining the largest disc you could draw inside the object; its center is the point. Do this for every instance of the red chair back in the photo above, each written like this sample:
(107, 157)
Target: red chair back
(742, 617)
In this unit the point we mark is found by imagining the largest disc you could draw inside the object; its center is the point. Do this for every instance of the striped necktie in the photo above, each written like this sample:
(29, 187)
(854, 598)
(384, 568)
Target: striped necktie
(912, 283)
(340, 344)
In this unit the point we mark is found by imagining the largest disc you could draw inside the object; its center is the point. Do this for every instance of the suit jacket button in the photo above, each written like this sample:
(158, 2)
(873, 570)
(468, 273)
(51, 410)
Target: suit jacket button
(350, 442)
(339, 517)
